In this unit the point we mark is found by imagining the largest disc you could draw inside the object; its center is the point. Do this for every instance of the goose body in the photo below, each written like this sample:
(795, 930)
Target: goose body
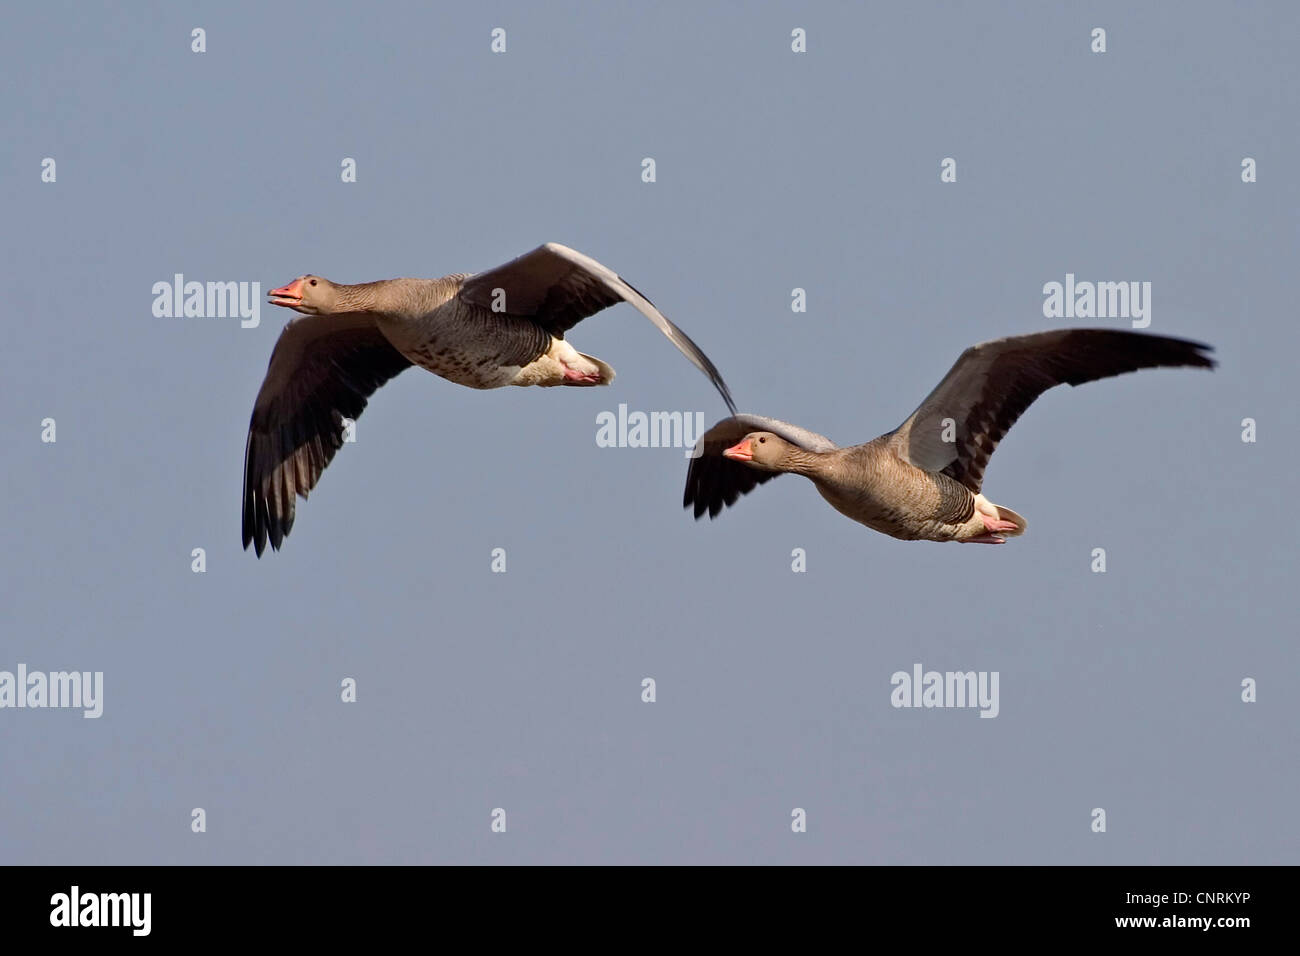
(437, 325)
(502, 327)
(923, 481)
(871, 485)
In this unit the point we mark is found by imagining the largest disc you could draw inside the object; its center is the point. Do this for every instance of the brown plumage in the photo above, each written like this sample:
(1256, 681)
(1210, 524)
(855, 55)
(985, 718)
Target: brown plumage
(923, 480)
(497, 328)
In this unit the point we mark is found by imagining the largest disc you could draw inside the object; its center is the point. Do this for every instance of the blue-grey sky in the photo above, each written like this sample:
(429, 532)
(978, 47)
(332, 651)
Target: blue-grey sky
(775, 170)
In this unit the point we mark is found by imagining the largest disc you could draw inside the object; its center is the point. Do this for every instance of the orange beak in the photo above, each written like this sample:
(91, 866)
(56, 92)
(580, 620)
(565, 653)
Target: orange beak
(743, 450)
(289, 295)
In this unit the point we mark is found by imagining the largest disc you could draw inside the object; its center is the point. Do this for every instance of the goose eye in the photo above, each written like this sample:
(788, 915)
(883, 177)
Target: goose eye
(761, 440)
(313, 281)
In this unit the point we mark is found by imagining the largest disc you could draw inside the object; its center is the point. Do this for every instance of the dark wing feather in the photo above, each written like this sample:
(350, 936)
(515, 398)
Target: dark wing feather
(714, 482)
(322, 370)
(557, 287)
(993, 383)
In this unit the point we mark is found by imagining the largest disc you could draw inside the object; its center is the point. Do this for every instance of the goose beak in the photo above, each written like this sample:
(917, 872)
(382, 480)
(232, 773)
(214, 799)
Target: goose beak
(743, 450)
(290, 295)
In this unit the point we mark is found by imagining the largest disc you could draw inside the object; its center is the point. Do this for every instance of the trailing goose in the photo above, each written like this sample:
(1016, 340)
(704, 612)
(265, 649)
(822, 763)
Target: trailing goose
(922, 481)
(501, 327)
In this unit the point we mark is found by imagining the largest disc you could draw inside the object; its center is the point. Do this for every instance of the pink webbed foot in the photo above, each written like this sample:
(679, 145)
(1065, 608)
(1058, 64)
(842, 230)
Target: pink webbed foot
(582, 378)
(996, 524)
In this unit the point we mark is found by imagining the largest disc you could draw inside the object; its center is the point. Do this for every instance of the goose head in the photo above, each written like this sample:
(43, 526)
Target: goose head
(763, 451)
(310, 295)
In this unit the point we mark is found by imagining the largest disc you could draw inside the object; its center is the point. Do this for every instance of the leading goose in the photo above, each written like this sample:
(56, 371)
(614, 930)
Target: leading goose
(922, 481)
(501, 327)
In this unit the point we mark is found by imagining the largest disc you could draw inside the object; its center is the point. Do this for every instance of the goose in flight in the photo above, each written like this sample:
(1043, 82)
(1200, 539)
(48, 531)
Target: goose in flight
(501, 327)
(922, 481)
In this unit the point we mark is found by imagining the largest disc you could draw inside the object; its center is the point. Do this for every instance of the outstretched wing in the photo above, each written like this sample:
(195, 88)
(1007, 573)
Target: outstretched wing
(993, 383)
(322, 370)
(557, 287)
